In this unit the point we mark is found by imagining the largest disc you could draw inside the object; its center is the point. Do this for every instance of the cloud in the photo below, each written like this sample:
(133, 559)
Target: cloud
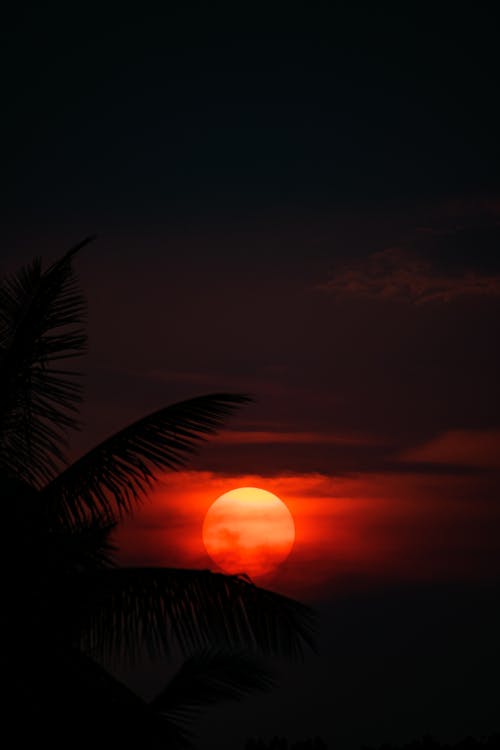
(398, 275)
(270, 437)
(467, 448)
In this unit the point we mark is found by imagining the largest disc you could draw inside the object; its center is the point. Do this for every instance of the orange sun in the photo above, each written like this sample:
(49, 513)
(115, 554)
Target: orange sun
(248, 530)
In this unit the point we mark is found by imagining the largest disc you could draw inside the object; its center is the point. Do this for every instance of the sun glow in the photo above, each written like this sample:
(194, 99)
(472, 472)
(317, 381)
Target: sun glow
(248, 530)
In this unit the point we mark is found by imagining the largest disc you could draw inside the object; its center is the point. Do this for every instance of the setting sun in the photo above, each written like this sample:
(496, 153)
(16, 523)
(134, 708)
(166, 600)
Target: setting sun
(248, 530)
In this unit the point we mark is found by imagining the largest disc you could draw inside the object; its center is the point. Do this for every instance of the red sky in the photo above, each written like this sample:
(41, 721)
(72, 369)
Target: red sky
(376, 414)
(351, 531)
(375, 378)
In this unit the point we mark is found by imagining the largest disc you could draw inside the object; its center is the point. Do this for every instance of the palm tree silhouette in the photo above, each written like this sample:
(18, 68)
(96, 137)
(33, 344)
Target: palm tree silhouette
(67, 609)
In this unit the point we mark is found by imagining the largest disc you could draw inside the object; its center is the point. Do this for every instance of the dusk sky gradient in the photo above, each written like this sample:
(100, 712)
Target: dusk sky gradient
(304, 207)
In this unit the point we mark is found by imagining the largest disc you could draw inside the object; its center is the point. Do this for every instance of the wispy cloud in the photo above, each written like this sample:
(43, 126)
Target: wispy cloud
(270, 437)
(468, 448)
(396, 274)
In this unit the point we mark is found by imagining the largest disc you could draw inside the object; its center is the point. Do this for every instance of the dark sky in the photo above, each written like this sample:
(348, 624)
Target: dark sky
(304, 204)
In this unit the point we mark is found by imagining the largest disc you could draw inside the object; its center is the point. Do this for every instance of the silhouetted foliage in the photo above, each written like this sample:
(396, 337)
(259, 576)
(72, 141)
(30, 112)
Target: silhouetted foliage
(281, 743)
(65, 605)
(427, 742)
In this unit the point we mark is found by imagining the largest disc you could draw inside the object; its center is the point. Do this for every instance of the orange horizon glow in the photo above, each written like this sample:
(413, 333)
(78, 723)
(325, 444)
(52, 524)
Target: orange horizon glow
(393, 527)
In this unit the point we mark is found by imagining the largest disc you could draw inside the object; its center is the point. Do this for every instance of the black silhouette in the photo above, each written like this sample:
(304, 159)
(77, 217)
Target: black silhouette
(428, 742)
(66, 607)
(282, 743)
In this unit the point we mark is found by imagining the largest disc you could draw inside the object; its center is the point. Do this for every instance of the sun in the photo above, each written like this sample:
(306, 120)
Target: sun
(248, 530)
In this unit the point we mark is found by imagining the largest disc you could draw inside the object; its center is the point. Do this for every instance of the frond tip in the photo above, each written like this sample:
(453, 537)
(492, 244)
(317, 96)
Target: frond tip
(206, 678)
(116, 473)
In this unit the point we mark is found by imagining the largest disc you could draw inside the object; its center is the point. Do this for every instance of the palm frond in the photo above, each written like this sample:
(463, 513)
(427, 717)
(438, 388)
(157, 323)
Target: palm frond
(81, 548)
(167, 609)
(119, 471)
(75, 702)
(211, 676)
(41, 323)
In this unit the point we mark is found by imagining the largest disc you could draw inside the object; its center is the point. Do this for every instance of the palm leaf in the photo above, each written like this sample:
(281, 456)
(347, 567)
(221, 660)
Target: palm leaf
(119, 471)
(41, 323)
(81, 548)
(206, 678)
(75, 702)
(167, 609)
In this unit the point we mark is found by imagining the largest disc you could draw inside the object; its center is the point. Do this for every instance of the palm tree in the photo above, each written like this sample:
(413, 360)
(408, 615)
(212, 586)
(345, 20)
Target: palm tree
(67, 609)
